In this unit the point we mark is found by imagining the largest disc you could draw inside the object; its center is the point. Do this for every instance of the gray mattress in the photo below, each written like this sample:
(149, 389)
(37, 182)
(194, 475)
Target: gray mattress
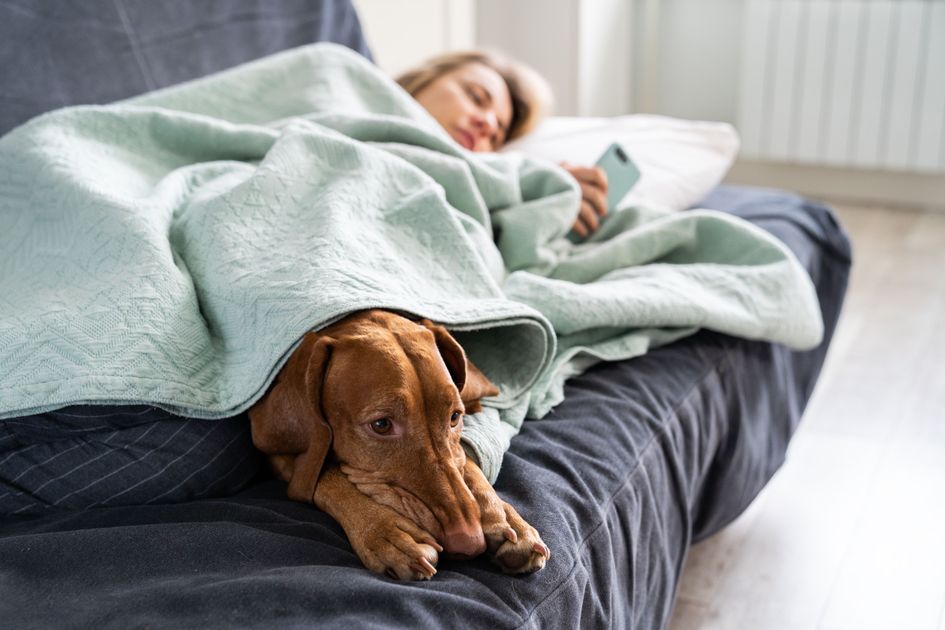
(642, 458)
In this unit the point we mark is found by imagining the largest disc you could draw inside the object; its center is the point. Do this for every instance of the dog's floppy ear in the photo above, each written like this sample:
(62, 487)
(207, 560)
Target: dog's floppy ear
(288, 422)
(471, 383)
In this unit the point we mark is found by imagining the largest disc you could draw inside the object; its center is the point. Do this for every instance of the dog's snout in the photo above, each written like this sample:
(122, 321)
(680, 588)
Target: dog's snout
(464, 542)
(458, 514)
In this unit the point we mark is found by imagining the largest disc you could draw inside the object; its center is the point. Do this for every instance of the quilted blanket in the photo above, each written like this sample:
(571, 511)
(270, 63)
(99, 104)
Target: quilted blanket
(173, 249)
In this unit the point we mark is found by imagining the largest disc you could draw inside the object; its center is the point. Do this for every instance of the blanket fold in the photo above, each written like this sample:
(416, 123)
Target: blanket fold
(173, 249)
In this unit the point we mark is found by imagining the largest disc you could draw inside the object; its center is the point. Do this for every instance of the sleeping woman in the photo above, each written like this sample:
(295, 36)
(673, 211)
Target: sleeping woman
(484, 101)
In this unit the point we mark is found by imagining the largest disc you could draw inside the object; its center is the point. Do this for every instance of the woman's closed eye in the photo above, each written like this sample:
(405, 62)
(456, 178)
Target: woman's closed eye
(479, 95)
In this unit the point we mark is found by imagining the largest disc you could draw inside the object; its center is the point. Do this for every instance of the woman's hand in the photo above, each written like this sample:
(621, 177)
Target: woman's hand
(593, 183)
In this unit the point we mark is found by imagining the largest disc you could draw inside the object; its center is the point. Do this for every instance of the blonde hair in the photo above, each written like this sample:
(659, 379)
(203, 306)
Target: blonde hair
(531, 95)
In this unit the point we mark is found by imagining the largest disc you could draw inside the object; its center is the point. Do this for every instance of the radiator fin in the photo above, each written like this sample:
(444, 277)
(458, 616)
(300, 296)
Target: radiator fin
(850, 83)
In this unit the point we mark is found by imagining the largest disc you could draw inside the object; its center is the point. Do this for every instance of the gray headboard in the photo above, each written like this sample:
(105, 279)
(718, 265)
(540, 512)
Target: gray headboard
(59, 53)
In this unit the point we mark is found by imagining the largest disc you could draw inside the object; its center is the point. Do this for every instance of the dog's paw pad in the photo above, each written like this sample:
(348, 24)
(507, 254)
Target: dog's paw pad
(418, 569)
(526, 555)
(398, 555)
(423, 568)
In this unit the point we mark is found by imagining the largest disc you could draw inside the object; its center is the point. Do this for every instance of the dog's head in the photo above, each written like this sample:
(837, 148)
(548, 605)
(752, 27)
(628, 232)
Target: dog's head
(384, 397)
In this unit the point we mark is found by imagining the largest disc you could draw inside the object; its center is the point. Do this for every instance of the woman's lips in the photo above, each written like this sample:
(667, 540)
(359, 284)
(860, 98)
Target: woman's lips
(464, 138)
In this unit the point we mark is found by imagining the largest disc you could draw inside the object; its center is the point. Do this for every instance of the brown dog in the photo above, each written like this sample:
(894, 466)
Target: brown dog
(364, 421)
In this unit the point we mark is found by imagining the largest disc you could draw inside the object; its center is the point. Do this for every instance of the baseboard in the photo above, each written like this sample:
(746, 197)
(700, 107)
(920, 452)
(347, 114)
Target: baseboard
(892, 189)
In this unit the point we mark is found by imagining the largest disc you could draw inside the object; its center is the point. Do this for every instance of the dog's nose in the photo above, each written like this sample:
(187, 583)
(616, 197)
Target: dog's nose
(464, 543)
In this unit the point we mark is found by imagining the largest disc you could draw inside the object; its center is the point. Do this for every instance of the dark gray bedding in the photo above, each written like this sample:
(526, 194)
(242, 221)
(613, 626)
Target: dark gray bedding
(56, 54)
(643, 457)
(91, 456)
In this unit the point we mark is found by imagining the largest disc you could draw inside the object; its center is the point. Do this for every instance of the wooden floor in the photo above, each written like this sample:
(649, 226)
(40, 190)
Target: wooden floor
(850, 534)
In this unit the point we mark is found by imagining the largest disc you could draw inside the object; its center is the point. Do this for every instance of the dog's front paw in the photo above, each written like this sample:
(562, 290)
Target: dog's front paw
(514, 545)
(398, 549)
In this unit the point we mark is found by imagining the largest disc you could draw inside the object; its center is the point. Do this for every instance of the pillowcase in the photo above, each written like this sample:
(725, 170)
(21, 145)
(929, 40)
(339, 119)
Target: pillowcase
(680, 161)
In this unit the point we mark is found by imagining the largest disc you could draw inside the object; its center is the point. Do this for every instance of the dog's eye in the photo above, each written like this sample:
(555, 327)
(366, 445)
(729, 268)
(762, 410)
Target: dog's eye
(455, 418)
(382, 425)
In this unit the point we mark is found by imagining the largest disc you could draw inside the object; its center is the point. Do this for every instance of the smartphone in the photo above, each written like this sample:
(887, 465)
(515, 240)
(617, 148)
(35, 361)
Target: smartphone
(622, 174)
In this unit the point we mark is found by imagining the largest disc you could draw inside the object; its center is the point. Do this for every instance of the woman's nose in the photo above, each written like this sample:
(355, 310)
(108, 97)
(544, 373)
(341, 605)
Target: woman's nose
(485, 124)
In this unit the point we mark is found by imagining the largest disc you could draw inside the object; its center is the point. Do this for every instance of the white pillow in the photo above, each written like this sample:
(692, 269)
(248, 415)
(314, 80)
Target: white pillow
(680, 161)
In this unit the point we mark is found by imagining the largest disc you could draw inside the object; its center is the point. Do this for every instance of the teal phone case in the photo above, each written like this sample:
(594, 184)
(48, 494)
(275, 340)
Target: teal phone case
(622, 173)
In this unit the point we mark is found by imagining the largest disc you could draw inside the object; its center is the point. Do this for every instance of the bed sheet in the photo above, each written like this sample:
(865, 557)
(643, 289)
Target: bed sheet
(643, 457)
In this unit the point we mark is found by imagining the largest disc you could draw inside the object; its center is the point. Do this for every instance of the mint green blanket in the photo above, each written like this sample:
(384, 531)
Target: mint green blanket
(172, 249)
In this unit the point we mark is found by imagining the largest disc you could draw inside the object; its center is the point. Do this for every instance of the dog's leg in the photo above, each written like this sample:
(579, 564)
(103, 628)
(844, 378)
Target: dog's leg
(385, 541)
(511, 542)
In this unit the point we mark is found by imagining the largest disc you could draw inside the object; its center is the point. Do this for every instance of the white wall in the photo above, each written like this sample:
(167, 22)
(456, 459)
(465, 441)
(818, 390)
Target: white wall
(403, 33)
(582, 47)
(540, 33)
(605, 57)
(699, 56)
(611, 57)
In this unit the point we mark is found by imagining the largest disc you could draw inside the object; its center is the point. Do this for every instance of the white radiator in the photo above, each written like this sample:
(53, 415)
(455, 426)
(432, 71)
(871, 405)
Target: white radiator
(851, 83)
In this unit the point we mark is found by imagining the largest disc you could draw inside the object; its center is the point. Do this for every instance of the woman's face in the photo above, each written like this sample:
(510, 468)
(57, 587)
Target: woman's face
(473, 104)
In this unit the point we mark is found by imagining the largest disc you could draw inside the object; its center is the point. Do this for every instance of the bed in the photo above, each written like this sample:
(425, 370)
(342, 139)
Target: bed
(643, 457)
